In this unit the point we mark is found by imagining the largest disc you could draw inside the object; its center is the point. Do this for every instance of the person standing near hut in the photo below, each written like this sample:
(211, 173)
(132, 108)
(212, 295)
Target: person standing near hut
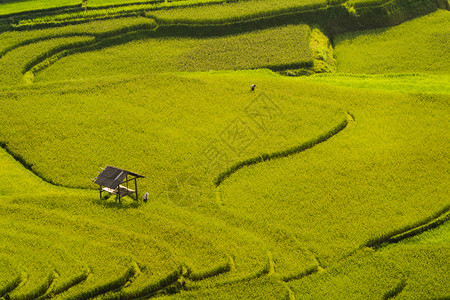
(146, 197)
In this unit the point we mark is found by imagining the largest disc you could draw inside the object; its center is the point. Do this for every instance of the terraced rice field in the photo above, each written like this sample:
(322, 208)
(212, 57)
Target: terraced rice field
(329, 186)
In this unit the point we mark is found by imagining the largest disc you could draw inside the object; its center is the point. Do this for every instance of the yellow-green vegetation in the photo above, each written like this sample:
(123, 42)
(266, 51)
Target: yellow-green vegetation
(424, 260)
(14, 64)
(420, 45)
(322, 52)
(82, 119)
(329, 186)
(15, 39)
(408, 83)
(95, 3)
(13, 6)
(238, 11)
(280, 48)
(341, 163)
(375, 277)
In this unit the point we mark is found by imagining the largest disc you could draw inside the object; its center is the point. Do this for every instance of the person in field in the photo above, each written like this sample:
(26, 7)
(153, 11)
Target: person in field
(252, 88)
(146, 197)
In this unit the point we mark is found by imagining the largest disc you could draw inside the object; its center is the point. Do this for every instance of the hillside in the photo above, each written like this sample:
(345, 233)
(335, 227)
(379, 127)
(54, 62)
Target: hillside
(327, 186)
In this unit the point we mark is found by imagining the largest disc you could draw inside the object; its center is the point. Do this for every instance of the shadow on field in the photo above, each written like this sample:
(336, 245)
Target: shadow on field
(112, 203)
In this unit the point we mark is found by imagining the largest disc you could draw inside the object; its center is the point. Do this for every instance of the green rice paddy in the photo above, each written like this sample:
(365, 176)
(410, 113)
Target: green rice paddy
(328, 186)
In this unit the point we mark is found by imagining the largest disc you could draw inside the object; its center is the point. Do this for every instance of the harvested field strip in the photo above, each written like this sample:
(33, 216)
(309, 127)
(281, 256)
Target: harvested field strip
(280, 154)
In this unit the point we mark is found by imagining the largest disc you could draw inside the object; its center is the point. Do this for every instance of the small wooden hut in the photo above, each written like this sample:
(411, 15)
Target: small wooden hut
(116, 181)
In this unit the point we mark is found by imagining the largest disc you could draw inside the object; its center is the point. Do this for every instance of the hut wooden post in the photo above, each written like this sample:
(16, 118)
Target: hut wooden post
(135, 186)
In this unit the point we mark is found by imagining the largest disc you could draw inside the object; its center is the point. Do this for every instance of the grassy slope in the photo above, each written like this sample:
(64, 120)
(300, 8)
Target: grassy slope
(420, 45)
(280, 234)
(372, 119)
(388, 161)
(161, 150)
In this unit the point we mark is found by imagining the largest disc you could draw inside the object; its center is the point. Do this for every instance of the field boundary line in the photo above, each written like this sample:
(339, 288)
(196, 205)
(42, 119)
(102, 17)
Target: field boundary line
(291, 294)
(41, 39)
(38, 291)
(12, 285)
(99, 41)
(29, 167)
(396, 290)
(65, 8)
(48, 293)
(150, 290)
(284, 153)
(414, 229)
(221, 268)
(110, 286)
(118, 37)
(257, 274)
(68, 284)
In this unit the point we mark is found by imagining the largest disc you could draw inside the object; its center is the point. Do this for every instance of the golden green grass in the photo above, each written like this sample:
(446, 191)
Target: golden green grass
(328, 165)
(230, 12)
(278, 48)
(289, 209)
(419, 45)
(13, 6)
